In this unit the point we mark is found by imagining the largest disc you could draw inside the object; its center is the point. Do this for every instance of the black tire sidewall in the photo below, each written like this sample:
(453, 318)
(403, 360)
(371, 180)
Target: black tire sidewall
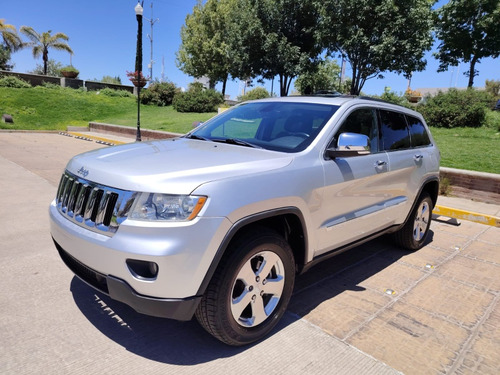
(244, 335)
(417, 244)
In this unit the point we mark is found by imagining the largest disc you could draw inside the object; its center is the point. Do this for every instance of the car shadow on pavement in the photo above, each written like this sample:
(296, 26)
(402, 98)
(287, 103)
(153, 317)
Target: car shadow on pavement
(187, 343)
(158, 339)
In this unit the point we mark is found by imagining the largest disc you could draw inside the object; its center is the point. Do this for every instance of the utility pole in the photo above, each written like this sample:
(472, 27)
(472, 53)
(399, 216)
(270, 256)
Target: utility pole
(152, 22)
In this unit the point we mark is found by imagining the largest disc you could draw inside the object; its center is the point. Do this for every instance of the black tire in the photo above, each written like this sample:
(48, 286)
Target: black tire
(242, 304)
(414, 233)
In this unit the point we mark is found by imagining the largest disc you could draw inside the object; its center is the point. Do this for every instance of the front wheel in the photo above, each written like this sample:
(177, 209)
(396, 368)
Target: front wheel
(250, 290)
(414, 233)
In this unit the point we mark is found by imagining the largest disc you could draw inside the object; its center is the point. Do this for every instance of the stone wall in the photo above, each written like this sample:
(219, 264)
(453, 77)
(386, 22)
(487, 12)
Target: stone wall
(38, 80)
(33, 79)
(480, 186)
(128, 131)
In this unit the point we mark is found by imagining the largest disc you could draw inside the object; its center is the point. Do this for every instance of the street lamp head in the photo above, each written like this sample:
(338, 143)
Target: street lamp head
(138, 9)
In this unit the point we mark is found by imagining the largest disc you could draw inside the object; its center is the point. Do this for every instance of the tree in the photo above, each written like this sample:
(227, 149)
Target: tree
(375, 36)
(288, 44)
(10, 43)
(468, 30)
(4, 58)
(109, 79)
(42, 42)
(52, 69)
(326, 77)
(10, 37)
(204, 51)
(492, 86)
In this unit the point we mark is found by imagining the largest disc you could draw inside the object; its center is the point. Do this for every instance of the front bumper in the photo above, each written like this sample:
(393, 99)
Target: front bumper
(183, 253)
(119, 290)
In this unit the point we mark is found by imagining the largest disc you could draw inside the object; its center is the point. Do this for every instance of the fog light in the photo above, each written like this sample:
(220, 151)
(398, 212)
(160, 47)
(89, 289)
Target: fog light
(142, 269)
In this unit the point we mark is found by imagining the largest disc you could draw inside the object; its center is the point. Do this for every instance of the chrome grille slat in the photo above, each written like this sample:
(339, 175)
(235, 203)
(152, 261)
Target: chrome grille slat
(103, 205)
(93, 206)
(72, 197)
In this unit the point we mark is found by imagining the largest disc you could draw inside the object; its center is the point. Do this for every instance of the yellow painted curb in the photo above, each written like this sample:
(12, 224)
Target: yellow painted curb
(467, 215)
(97, 139)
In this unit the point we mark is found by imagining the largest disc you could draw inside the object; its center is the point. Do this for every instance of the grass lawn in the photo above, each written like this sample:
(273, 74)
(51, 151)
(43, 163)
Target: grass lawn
(157, 118)
(43, 108)
(476, 149)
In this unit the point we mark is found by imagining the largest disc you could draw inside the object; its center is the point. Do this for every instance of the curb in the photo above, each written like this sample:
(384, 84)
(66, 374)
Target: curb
(86, 137)
(100, 140)
(467, 215)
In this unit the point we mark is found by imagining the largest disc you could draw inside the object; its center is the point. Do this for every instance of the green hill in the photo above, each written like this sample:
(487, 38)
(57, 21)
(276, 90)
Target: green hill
(42, 108)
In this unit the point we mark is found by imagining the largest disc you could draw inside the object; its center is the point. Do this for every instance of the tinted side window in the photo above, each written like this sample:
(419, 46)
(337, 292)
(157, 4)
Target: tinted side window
(418, 134)
(361, 121)
(395, 135)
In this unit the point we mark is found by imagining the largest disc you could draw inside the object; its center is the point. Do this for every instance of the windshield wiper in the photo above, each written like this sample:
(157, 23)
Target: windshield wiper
(199, 137)
(236, 141)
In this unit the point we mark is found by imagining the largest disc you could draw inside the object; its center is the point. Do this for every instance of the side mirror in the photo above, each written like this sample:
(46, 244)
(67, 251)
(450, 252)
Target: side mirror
(350, 144)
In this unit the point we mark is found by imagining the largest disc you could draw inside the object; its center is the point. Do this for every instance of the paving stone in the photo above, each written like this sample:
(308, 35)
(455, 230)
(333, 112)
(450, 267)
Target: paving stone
(477, 273)
(396, 276)
(448, 241)
(426, 256)
(341, 314)
(483, 356)
(483, 250)
(411, 340)
(466, 229)
(452, 300)
(491, 235)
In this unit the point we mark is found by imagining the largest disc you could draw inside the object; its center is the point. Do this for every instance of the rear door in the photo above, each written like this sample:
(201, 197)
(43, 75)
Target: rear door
(406, 164)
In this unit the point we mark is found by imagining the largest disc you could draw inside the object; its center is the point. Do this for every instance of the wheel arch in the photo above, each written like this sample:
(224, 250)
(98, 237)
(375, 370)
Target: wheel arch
(431, 187)
(288, 222)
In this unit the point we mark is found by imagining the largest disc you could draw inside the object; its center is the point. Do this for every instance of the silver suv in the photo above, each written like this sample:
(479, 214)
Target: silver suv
(217, 223)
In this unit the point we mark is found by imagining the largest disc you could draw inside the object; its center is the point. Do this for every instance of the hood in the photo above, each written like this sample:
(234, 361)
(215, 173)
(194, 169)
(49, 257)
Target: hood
(173, 166)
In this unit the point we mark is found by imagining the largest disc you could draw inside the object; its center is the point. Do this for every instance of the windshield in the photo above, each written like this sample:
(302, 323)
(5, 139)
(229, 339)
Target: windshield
(279, 126)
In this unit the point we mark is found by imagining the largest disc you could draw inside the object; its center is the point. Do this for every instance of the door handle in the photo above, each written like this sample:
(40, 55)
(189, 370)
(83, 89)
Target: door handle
(418, 157)
(380, 163)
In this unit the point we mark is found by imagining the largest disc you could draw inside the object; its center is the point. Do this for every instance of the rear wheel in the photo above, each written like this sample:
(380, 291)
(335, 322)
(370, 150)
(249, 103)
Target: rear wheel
(250, 290)
(414, 233)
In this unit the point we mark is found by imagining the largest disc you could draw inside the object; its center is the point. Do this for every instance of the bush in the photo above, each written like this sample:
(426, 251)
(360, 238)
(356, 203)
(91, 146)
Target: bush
(70, 69)
(197, 99)
(493, 120)
(50, 85)
(457, 108)
(116, 93)
(256, 93)
(11, 81)
(394, 98)
(493, 87)
(159, 93)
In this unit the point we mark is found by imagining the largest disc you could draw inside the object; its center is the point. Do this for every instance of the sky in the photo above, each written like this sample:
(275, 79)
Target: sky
(102, 34)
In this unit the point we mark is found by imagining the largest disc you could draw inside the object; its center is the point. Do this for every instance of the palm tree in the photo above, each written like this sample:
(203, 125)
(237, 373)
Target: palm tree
(42, 42)
(9, 35)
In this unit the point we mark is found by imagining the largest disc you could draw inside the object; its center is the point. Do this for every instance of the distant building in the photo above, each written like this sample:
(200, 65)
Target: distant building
(205, 81)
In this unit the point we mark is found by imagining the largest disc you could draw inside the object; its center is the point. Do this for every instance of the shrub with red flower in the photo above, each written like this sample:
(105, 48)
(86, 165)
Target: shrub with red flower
(137, 78)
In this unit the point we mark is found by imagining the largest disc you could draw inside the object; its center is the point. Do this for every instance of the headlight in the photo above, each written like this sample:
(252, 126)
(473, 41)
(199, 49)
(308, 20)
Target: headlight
(152, 206)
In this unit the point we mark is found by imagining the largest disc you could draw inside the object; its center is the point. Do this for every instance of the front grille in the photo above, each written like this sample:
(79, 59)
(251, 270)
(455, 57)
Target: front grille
(96, 207)
(91, 277)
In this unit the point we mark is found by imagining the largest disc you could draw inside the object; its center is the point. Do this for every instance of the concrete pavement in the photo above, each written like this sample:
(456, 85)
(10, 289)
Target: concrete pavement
(375, 309)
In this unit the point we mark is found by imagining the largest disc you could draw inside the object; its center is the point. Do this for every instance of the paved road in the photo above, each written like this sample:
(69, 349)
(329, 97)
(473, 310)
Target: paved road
(374, 309)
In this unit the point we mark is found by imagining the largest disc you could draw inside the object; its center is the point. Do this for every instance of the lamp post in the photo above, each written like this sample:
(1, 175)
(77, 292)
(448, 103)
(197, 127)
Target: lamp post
(138, 67)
